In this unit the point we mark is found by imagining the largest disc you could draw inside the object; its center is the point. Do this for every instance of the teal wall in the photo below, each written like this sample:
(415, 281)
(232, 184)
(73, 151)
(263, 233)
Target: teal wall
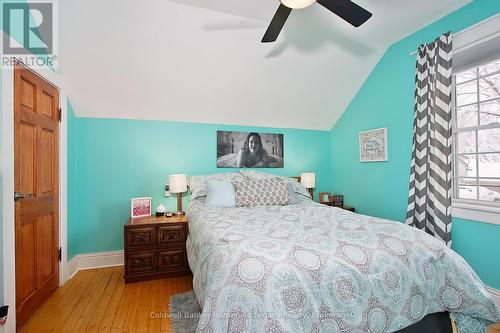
(111, 161)
(479, 244)
(386, 100)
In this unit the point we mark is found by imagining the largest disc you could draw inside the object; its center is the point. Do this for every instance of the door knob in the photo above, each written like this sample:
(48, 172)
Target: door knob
(18, 195)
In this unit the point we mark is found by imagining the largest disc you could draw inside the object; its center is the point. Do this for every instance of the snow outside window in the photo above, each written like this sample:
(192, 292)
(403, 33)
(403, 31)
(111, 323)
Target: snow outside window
(476, 134)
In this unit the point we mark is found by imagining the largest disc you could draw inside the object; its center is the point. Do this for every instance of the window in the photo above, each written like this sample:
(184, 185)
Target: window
(476, 134)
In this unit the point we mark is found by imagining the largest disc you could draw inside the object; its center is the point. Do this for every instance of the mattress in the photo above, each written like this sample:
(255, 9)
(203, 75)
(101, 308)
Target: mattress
(312, 268)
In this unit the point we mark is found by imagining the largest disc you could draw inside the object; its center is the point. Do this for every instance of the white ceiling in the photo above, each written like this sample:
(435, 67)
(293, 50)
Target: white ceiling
(202, 60)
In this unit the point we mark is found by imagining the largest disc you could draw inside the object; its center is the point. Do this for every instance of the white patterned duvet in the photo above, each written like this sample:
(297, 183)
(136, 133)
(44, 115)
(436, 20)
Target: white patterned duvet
(313, 268)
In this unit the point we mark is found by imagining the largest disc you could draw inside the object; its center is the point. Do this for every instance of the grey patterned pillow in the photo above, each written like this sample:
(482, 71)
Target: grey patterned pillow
(252, 192)
(297, 187)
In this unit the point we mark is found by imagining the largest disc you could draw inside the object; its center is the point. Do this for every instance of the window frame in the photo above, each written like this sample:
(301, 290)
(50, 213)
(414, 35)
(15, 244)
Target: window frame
(474, 209)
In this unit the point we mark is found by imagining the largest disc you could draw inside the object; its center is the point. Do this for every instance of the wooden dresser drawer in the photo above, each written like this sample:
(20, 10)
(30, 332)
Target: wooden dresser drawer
(141, 262)
(137, 237)
(155, 247)
(171, 259)
(171, 233)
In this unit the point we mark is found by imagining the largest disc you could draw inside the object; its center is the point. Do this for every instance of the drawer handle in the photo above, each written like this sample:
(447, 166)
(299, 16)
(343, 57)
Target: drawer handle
(141, 263)
(170, 259)
(142, 237)
(171, 234)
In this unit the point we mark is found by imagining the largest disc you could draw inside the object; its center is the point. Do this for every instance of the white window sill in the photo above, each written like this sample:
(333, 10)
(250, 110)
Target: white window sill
(475, 212)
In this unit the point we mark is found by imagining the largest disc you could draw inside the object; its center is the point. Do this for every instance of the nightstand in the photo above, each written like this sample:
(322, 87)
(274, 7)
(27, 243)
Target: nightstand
(351, 209)
(155, 247)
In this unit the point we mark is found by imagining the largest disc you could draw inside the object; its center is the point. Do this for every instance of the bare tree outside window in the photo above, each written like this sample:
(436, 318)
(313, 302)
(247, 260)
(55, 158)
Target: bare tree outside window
(476, 132)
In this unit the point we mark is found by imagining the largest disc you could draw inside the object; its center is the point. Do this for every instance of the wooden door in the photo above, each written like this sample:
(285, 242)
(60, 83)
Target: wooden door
(36, 160)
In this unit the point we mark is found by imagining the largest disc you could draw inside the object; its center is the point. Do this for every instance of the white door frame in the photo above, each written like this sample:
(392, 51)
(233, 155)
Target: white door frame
(7, 169)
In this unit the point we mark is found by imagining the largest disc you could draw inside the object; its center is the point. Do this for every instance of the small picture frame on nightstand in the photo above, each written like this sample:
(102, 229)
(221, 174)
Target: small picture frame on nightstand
(325, 197)
(140, 207)
(338, 200)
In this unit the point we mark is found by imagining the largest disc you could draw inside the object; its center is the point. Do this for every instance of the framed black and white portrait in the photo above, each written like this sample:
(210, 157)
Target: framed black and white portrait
(249, 150)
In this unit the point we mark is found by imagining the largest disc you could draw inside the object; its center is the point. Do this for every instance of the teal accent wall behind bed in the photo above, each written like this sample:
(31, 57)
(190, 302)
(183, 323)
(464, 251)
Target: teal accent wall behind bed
(386, 100)
(112, 160)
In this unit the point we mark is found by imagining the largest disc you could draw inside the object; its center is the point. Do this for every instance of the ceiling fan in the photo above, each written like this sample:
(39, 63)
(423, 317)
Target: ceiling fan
(346, 9)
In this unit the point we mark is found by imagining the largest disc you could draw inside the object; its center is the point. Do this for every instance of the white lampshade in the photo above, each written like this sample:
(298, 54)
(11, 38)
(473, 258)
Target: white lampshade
(177, 183)
(308, 179)
(297, 4)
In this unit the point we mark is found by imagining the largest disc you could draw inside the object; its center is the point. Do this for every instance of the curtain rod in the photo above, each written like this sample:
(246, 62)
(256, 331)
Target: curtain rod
(470, 28)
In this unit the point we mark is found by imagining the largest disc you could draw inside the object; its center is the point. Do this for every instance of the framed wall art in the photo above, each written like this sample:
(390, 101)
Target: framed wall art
(249, 150)
(373, 145)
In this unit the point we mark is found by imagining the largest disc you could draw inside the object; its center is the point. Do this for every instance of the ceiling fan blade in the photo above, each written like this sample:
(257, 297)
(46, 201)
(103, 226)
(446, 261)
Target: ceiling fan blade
(277, 23)
(348, 10)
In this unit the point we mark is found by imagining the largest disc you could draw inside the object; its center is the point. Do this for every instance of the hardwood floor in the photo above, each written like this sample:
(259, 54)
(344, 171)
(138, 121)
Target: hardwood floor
(98, 300)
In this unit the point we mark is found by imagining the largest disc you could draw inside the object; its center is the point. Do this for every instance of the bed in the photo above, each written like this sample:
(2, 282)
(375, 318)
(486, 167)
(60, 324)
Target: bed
(306, 267)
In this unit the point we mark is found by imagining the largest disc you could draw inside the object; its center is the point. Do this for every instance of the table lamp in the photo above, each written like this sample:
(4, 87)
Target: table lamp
(178, 184)
(308, 179)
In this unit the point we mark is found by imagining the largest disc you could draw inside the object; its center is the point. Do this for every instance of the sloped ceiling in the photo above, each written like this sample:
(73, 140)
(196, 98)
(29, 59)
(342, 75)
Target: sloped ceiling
(202, 60)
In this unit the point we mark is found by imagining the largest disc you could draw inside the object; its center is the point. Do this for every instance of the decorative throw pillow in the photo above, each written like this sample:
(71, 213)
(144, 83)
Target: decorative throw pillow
(220, 193)
(260, 192)
(297, 187)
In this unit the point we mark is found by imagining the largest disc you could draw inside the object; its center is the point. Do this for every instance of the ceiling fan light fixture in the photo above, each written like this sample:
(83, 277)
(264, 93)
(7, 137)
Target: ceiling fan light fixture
(350, 12)
(297, 4)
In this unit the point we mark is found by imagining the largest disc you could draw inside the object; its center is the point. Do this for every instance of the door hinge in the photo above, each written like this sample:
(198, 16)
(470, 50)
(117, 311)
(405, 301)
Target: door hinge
(59, 254)
(59, 115)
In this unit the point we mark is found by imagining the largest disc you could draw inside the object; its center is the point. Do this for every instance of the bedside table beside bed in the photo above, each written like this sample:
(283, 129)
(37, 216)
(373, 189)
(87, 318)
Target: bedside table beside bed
(351, 209)
(155, 247)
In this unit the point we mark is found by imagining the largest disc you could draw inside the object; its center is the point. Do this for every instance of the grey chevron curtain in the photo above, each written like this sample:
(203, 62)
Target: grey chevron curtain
(429, 201)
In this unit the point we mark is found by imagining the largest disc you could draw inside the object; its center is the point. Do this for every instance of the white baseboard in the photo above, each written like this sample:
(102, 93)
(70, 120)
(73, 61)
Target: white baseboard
(495, 293)
(94, 260)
